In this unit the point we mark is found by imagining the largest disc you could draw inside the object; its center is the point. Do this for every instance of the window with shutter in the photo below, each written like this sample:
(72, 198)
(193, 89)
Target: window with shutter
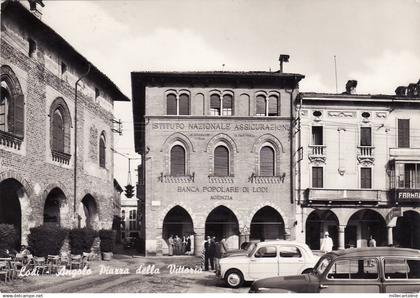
(215, 105)
(273, 107)
(317, 177)
(18, 116)
(184, 104)
(177, 161)
(267, 161)
(4, 100)
(261, 108)
(365, 136)
(102, 151)
(317, 135)
(365, 177)
(227, 105)
(221, 161)
(171, 104)
(403, 133)
(58, 131)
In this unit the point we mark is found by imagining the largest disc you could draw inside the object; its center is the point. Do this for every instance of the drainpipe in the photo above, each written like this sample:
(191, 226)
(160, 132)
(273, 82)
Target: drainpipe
(75, 144)
(291, 145)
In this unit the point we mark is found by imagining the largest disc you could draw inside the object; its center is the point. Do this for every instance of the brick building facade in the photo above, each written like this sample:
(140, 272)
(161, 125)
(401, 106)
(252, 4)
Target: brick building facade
(39, 70)
(216, 150)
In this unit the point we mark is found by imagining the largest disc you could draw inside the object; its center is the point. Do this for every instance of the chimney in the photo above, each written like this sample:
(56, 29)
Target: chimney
(401, 91)
(412, 90)
(351, 87)
(35, 6)
(283, 58)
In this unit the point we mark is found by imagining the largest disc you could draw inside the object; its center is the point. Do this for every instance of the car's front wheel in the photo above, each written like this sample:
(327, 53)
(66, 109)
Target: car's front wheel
(234, 278)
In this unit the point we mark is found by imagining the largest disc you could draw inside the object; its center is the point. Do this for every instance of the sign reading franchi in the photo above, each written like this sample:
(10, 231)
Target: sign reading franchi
(408, 195)
(197, 126)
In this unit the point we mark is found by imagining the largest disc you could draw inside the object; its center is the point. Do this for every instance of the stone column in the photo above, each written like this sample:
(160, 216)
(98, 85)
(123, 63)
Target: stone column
(390, 236)
(341, 237)
(198, 241)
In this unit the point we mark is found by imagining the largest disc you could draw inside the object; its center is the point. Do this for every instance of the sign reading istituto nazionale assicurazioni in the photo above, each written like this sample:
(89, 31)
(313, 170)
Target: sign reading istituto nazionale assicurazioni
(226, 126)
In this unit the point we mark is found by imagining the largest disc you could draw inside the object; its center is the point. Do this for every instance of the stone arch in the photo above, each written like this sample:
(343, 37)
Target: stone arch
(286, 219)
(177, 222)
(275, 144)
(222, 140)
(317, 223)
(407, 229)
(177, 136)
(10, 77)
(165, 211)
(222, 222)
(89, 211)
(267, 223)
(11, 174)
(364, 223)
(346, 217)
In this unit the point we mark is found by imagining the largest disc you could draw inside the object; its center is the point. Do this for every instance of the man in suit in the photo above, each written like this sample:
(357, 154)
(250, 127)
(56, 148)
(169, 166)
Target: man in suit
(212, 252)
(207, 254)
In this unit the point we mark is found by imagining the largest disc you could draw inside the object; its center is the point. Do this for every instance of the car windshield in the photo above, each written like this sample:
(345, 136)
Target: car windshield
(250, 246)
(322, 265)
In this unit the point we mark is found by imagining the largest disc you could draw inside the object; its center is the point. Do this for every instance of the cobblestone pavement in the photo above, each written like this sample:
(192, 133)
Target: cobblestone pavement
(164, 282)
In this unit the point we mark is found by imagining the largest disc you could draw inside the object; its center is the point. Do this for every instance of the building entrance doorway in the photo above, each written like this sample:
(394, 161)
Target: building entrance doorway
(365, 223)
(10, 211)
(222, 223)
(407, 231)
(267, 224)
(319, 222)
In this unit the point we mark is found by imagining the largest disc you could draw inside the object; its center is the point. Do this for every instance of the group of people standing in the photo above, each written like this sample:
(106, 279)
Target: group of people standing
(179, 246)
(213, 251)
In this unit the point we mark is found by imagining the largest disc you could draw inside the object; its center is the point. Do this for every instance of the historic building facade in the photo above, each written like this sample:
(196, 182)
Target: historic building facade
(217, 155)
(360, 168)
(41, 124)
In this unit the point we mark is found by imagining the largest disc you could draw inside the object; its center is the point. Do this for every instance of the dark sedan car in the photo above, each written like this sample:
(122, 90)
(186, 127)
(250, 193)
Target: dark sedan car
(355, 270)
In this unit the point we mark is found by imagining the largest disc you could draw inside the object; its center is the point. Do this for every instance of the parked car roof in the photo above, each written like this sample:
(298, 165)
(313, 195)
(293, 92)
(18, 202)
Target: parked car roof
(282, 242)
(377, 251)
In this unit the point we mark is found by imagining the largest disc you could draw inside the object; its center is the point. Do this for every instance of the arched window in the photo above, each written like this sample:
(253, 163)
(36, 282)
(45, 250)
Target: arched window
(184, 104)
(273, 107)
(267, 161)
(215, 105)
(261, 106)
(102, 154)
(11, 104)
(221, 161)
(177, 161)
(227, 105)
(58, 131)
(171, 108)
(4, 103)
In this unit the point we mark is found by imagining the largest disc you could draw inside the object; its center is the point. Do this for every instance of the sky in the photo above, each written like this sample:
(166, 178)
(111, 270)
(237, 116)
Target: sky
(376, 42)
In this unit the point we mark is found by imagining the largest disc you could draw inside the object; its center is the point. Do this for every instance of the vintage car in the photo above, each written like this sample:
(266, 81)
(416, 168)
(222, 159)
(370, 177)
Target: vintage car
(245, 249)
(354, 270)
(269, 258)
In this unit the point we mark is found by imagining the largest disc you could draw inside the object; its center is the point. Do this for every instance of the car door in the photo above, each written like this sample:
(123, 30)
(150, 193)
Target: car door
(291, 260)
(264, 262)
(352, 275)
(401, 275)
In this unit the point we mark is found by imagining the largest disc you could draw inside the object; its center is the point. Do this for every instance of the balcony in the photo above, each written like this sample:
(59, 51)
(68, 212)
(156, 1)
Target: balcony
(60, 157)
(9, 140)
(317, 153)
(345, 196)
(365, 155)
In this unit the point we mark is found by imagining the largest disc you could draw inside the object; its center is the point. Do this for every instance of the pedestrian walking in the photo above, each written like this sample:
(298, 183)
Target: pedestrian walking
(326, 243)
(207, 253)
(212, 251)
(170, 246)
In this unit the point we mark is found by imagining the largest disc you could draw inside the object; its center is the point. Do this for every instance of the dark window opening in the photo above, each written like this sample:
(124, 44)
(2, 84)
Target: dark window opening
(215, 105)
(227, 105)
(261, 107)
(97, 93)
(171, 108)
(102, 151)
(273, 107)
(63, 68)
(365, 177)
(267, 161)
(317, 135)
(32, 47)
(317, 177)
(403, 133)
(58, 131)
(365, 136)
(177, 161)
(221, 161)
(184, 104)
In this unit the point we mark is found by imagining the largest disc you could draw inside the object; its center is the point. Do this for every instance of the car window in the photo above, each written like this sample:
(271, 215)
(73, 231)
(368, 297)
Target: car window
(266, 252)
(289, 252)
(401, 269)
(322, 265)
(365, 268)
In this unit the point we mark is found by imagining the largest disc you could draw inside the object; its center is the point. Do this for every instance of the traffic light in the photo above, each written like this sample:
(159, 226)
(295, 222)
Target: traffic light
(129, 191)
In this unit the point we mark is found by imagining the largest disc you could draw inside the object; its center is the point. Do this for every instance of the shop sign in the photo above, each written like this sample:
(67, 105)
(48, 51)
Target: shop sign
(412, 195)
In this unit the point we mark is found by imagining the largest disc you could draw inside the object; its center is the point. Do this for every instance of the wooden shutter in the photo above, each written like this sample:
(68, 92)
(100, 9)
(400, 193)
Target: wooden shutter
(273, 107)
(171, 104)
(18, 116)
(58, 132)
(184, 104)
(221, 161)
(404, 133)
(267, 161)
(317, 177)
(366, 178)
(261, 105)
(215, 104)
(365, 136)
(227, 105)
(177, 161)
(102, 152)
